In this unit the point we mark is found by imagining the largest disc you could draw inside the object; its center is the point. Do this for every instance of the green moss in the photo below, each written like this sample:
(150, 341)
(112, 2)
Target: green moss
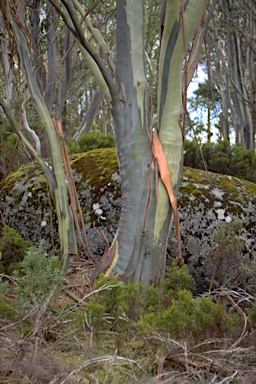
(24, 195)
(200, 185)
(96, 169)
(27, 174)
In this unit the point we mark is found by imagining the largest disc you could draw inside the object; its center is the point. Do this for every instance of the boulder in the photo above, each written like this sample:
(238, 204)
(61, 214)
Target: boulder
(206, 201)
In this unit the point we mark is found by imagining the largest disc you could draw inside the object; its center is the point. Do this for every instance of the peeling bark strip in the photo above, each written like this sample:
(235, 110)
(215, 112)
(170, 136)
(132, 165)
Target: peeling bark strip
(75, 205)
(165, 173)
(106, 261)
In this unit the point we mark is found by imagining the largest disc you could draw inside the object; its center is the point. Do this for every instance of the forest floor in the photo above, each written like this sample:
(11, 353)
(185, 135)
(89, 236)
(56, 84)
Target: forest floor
(54, 337)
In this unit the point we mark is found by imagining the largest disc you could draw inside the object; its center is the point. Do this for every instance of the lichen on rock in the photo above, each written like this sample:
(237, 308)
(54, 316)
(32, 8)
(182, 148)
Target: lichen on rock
(206, 201)
(27, 207)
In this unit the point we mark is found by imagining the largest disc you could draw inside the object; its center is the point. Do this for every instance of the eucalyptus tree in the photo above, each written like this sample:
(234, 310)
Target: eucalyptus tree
(206, 102)
(138, 250)
(232, 42)
(147, 139)
(6, 63)
(33, 59)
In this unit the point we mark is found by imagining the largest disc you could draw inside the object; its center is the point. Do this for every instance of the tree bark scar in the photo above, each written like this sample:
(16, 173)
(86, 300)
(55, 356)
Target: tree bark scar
(165, 174)
(105, 262)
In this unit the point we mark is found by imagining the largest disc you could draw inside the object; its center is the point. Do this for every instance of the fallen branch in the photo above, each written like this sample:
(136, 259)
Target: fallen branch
(210, 366)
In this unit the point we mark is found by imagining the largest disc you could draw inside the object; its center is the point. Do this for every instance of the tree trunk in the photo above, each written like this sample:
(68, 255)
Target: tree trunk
(7, 63)
(52, 59)
(146, 213)
(90, 114)
(139, 248)
(237, 56)
(54, 173)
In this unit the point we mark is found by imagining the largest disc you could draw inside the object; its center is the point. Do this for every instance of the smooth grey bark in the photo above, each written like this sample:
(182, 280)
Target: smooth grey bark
(37, 61)
(236, 56)
(90, 113)
(135, 247)
(64, 86)
(55, 174)
(8, 70)
(146, 213)
(52, 59)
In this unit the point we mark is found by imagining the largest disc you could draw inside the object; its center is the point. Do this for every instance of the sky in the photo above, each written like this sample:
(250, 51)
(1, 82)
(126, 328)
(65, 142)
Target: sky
(199, 77)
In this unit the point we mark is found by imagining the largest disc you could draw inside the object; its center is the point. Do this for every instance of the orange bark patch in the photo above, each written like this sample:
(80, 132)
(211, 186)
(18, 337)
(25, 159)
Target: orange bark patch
(165, 174)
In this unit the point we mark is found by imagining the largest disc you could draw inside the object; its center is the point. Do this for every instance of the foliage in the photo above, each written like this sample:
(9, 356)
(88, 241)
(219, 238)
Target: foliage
(248, 269)
(90, 141)
(114, 307)
(229, 267)
(40, 275)
(252, 317)
(205, 101)
(129, 334)
(226, 258)
(189, 317)
(178, 279)
(172, 308)
(36, 287)
(7, 311)
(221, 157)
(12, 249)
(12, 154)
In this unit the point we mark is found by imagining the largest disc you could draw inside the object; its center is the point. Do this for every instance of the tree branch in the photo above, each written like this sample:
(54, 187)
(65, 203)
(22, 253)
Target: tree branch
(93, 53)
(22, 137)
(26, 126)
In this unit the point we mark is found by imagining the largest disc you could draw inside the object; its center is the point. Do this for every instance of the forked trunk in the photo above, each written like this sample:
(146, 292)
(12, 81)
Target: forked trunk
(146, 216)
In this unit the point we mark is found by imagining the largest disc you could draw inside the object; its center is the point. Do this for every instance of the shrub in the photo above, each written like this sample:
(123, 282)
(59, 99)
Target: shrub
(40, 275)
(169, 309)
(11, 154)
(189, 317)
(115, 307)
(221, 157)
(252, 317)
(192, 157)
(243, 163)
(12, 249)
(226, 257)
(177, 279)
(7, 310)
(31, 296)
(90, 141)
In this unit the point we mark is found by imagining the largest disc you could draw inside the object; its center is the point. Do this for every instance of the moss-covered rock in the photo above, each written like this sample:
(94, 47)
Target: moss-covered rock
(206, 201)
(27, 207)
